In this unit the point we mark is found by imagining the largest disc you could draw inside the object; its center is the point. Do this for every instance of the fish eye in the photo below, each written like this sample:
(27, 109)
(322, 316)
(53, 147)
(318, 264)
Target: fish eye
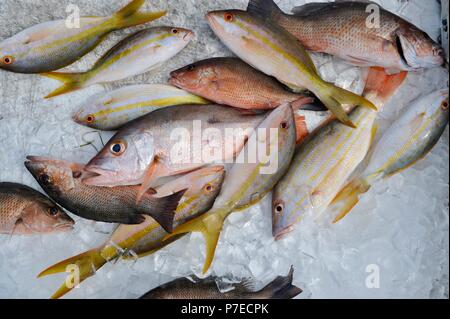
(90, 118)
(209, 188)
(76, 174)
(53, 211)
(175, 31)
(438, 51)
(44, 179)
(279, 207)
(228, 16)
(444, 105)
(284, 125)
(8, 59)
(117, 148)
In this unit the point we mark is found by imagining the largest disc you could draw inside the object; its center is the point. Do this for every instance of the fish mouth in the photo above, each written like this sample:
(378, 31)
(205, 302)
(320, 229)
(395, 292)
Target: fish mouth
(98, 176)
(188, 35)
(64, 226)
(280, 234)
(76, 117)
(211, 18)
(174, 80)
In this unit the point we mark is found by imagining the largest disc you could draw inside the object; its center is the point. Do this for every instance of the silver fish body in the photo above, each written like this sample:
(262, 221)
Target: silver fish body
(135, 54)
(110, 110)
(250, 177)
(408, 140)
(160, 134)
(55, 44)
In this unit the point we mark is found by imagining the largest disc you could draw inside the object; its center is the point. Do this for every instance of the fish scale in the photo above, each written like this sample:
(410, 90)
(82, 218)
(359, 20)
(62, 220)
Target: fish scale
(324, 162)
(230, 81)
(62, 182)
(53, 45)
(135, 54)
(245, 183)
(323, 174)
(111, 110)
(409, 139)
(24, 210)
(143, 239)
(272, 50)
(357, 32)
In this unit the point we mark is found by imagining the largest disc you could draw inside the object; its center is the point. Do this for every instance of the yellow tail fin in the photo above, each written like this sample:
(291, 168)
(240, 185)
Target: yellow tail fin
(72, 82)
(348, 197)
(83, 266)
(129, 16)
(334, 98)
(210, 226)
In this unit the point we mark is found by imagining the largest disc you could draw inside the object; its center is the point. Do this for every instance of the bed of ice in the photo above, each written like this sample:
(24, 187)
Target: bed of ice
(401, 226)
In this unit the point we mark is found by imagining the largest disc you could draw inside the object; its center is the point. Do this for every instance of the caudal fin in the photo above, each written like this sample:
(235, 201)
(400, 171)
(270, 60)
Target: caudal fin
(380, 86)
(348, 197)
(264, 9)
(334, 98)
(282, 287)
(163, 209)
(129, 16)
(210, 226)
(79, 268)
(72, 82)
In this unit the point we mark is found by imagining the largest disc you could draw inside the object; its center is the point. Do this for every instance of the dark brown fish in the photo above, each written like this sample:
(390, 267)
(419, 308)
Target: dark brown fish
(183, 288)
(25, 211)
(62, 182)
(230, 81)
(360, 32)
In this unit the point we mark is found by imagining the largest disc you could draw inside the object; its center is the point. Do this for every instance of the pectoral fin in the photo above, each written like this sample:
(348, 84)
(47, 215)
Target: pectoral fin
(155, 170)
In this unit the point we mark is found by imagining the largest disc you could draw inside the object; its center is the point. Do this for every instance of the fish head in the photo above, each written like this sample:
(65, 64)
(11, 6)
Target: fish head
(202, 182)
(42, 215)
(185, 35)
(196, 77)
(206, 181)
(418, 50)
(123, 160)
(228, 23)
(14, 54)
(284, 214)
(92, 112)
(56, 177)
(439, 103)
(46, 217)
(174, 37)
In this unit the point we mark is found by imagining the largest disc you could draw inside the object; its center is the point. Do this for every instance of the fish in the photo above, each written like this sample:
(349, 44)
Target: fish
(324, 161)
(53, 45)
(128, 241)
(230, 81)
(249, 179)
(410, 138)
(272, 50)
(350, 31)
(183, 288)
(141, 151)
(108, 111)
(135, 54)
(25, 211)
(61, 180)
